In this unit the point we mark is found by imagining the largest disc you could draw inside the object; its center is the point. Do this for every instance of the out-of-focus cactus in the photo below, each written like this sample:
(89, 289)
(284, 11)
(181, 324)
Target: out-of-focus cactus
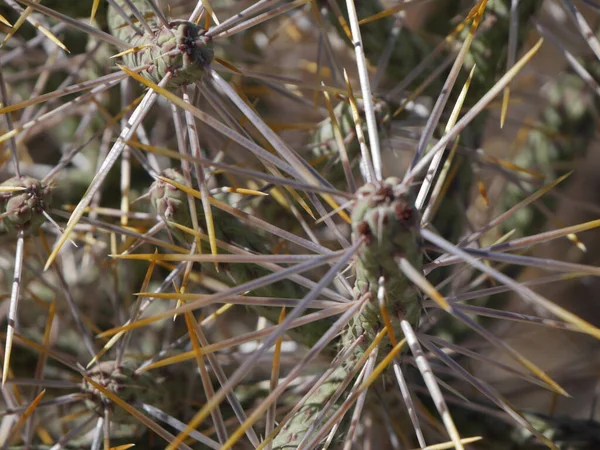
(172, 205)
(130, 387)
(324, 148)
(23, 208)
(565, 432)
(187, 65)
(410, 48)
(565, 130)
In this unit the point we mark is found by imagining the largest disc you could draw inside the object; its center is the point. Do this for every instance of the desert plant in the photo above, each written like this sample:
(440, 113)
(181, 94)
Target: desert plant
(275, 281)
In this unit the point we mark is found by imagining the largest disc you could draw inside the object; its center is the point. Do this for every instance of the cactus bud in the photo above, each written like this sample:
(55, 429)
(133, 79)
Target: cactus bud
(171, 204)
(22, 209)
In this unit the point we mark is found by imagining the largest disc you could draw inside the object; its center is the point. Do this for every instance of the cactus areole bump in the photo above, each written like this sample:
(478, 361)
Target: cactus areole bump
(385, 218)
(22, 209)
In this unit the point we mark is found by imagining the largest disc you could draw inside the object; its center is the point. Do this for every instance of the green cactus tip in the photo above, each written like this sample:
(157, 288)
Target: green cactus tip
(22, 209)
(126, 384)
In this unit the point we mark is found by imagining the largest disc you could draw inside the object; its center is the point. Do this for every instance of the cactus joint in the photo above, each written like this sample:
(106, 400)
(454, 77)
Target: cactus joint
(23, 208)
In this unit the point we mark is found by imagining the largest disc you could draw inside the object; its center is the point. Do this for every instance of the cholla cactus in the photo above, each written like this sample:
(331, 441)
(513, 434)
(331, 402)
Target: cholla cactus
(171, 204)
(131, 387)
(561, 135)
(384, 217)
(325, 153)
(23, 209)
(177, 47)
(294, 327)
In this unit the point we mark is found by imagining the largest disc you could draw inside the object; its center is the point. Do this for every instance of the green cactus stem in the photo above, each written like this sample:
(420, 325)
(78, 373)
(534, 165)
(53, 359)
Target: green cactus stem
(181, 49)
(383, 217)
(127, 385)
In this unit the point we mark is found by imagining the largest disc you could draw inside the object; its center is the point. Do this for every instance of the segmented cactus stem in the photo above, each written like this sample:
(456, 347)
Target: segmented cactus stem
(385, 219)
